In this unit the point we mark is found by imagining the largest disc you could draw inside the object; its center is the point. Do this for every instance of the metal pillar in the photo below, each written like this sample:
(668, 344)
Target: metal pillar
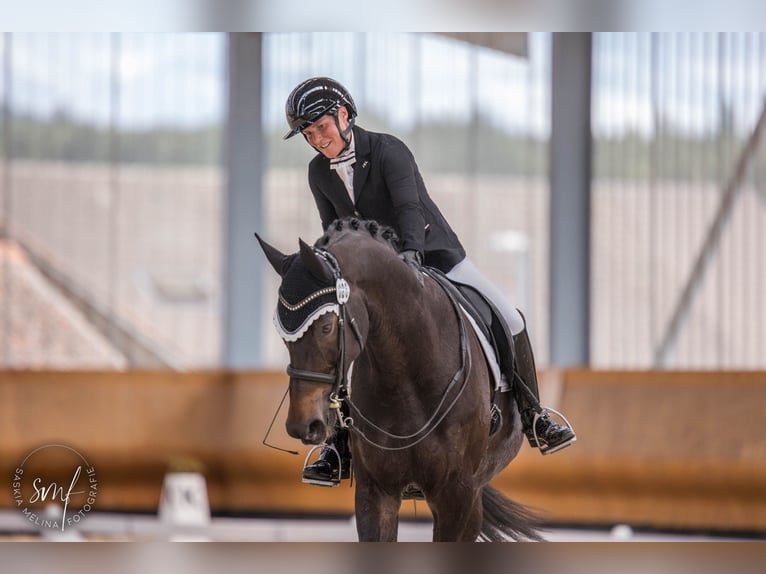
(243, 345)
(570, 173)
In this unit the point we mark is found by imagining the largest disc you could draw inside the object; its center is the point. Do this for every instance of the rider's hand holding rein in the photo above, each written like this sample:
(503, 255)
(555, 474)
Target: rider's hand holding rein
(414, 261)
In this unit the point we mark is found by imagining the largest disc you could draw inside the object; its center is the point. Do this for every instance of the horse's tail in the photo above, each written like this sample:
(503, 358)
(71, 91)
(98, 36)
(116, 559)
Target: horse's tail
(504, 518)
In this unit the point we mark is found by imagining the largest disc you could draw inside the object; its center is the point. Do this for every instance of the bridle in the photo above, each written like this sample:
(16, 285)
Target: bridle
(339, 380)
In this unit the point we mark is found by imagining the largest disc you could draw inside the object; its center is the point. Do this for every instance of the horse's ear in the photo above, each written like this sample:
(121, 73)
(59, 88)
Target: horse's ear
(275, 257)
(312, 262)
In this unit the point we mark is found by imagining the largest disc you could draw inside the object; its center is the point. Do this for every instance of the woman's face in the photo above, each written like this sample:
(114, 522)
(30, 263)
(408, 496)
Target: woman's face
(323, 134)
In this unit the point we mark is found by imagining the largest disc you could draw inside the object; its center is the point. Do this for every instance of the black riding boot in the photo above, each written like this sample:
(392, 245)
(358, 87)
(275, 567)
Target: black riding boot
(542, 432)
(332, 466)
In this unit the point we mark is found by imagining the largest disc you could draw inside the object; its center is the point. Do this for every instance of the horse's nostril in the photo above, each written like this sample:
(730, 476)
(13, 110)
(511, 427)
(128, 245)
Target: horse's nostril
(317, 432)
(313, 433)
(296, 430)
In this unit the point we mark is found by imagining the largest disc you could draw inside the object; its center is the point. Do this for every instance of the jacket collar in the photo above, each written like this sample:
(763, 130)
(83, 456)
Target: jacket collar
(362, 167)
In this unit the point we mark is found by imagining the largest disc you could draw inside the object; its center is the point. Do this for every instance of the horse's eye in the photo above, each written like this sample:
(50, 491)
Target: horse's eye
(327, 329)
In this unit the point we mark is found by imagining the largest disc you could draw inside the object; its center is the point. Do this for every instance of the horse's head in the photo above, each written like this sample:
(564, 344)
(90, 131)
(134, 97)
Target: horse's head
(313, 297)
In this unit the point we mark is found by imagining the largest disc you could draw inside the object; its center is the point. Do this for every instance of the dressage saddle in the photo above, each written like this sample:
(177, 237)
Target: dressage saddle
(485, 316)
(516, 364)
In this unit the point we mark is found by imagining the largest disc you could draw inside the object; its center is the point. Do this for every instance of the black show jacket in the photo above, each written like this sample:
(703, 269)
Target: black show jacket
(388, 188)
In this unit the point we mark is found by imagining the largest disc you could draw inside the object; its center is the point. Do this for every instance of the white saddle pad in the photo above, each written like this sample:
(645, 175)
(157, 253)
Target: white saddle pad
(501, 384)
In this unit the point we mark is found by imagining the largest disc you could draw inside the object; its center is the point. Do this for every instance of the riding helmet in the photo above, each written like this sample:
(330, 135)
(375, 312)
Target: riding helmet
(312, 99)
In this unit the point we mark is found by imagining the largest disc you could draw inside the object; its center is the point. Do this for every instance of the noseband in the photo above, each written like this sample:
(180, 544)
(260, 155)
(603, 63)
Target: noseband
(339, 380)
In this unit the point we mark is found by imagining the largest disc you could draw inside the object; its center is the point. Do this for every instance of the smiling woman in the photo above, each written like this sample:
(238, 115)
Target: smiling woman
(322, 137)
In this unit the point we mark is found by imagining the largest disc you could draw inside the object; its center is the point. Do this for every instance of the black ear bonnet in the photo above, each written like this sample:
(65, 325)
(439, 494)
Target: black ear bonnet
(303, 297)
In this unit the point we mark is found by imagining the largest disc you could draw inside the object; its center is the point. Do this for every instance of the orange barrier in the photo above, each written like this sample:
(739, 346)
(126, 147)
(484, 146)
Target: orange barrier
(660, 449)
(132, 426)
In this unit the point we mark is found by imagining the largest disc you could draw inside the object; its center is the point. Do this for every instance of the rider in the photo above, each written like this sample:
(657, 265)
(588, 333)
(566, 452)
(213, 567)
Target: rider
(374, 176)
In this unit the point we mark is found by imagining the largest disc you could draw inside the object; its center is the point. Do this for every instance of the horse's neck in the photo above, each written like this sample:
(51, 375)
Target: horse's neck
(406, 351)
(402, 312)
(404, 317)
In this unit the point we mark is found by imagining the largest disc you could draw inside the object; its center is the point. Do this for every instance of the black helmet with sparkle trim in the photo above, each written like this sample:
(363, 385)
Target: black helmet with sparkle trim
(314, 98)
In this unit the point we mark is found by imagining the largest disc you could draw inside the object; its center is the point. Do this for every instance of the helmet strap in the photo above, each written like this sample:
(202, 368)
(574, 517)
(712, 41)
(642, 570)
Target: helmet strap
(345, 134)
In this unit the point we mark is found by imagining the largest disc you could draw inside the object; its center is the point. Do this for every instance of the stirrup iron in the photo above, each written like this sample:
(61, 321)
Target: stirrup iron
(538, 416)
(333, 481)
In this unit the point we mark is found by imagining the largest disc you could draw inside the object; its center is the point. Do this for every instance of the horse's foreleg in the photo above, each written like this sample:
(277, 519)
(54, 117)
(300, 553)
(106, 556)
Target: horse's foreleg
(472, 526)
(377, 514)
(457, 516)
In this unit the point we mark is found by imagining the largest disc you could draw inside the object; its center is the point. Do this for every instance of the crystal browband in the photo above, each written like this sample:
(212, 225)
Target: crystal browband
(314, 295)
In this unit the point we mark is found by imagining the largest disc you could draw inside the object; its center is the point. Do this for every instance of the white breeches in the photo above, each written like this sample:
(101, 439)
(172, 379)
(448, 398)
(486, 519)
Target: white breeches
(466, 272)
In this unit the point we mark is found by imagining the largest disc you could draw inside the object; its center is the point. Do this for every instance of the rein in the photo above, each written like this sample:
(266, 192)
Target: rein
(339, 380)
(433, 422)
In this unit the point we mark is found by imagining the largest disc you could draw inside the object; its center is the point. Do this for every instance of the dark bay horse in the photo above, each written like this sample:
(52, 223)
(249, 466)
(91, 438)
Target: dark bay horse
(419, 390)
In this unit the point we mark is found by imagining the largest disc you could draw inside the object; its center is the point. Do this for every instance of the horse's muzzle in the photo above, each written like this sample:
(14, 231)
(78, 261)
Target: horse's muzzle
(312, 433)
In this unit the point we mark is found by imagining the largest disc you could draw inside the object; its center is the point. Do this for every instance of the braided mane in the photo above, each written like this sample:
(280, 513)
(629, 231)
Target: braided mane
(379, 232)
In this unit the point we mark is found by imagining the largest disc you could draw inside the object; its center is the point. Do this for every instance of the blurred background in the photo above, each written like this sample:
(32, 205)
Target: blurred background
(114, 186)
(612, 184)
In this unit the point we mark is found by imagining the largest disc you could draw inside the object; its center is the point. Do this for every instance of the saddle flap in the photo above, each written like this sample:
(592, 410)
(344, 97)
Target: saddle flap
(477, 306)
(485, 316)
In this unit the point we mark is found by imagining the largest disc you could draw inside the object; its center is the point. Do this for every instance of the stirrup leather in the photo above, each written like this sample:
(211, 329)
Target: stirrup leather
(332, 481)
(547, 449)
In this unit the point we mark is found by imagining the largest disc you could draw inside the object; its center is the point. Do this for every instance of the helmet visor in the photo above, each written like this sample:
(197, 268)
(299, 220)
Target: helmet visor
(298, 123)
